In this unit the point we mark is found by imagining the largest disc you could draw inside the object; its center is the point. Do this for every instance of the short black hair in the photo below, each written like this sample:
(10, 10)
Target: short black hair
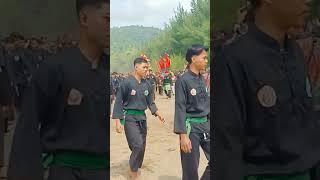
(195, 50)
(139, 60)
(80, 4)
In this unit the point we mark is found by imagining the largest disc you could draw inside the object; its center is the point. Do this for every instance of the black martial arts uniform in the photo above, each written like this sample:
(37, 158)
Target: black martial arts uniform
(20, 72)
(263, 121)
(132, 99)
(5, 100)
(152, 80)
(5, 88)
(66, 110)
(192, 109)
(36, 57)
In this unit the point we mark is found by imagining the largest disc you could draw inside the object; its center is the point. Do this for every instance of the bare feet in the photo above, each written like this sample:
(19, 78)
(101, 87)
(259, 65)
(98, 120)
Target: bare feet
(134, 175)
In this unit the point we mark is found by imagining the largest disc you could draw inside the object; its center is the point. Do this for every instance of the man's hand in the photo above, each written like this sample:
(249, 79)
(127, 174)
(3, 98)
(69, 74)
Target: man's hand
(157, 114)
(185, 143)
(119, 126)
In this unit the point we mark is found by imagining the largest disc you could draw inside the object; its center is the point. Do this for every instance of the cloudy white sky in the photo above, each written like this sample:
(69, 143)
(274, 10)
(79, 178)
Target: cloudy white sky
(148, 13)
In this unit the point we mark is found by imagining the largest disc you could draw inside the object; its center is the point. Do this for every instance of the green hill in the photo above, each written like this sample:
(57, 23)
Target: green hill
(125, 43)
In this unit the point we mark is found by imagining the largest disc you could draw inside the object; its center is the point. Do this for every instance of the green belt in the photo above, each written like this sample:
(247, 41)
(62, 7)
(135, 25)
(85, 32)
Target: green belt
(132, 112)
(75, 160)
(196, 120)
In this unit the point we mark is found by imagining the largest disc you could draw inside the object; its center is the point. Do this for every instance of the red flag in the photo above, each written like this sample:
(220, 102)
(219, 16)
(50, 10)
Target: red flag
(167, 60)
(161, 64)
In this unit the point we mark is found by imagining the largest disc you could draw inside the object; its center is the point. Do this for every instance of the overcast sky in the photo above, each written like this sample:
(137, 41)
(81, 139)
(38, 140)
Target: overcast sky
(149, 13)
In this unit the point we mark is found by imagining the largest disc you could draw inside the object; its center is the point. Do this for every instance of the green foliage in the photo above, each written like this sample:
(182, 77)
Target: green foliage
(126, 44)
(37, 17)
(178, 62)
(183, 30)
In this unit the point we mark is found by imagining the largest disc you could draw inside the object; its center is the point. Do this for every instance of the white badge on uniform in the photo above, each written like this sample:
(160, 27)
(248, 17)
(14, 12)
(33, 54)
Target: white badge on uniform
(75, 97)
(193, 92)
(16, 58)
(133, 92)
(308, 87)
(146, 92)
(267, 96)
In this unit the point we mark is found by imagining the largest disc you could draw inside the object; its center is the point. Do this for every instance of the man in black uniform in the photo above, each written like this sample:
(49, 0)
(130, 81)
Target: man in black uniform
(264, 124)
(20, 70)
(192, 109)
(116, 83)
(65, 112)
(5, 102)
(112, 96)
(167, 83)
(133, 98)
(152, 79)
(35, 54)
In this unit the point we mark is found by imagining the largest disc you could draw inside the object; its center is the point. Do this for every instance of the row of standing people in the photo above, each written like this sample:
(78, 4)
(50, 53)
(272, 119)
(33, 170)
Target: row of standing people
(20, 57)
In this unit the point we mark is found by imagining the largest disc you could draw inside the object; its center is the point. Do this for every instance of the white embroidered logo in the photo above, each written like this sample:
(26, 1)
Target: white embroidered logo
(267, 96)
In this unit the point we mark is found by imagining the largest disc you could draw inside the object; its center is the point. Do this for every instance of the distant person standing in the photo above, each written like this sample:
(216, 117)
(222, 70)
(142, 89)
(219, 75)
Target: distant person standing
(191, 117)
(133, 98)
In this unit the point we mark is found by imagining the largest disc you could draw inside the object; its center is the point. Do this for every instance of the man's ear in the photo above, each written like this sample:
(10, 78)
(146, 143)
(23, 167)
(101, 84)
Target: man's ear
(83, 18)
(193, 58)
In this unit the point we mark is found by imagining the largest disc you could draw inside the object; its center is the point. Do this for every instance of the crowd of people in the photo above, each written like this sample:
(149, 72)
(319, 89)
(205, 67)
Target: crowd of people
(162, 82)
(20, 57)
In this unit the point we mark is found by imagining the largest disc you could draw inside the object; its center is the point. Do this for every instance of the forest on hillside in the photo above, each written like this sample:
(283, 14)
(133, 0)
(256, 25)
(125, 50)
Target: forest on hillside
(37, 17)
(125, 42)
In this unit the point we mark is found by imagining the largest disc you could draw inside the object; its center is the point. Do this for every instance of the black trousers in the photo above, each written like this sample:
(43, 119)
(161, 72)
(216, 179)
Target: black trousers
(190, 161)
(66, 173)
(136, 133)
(3, 120)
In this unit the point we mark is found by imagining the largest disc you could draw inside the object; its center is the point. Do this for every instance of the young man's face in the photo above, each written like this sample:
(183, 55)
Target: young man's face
(142, 69)
(289, 12)
(34, 44)
(200, 61)
(97, 23)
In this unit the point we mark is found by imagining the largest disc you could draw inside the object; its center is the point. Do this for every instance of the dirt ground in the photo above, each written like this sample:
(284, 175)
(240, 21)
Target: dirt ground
(162, 157)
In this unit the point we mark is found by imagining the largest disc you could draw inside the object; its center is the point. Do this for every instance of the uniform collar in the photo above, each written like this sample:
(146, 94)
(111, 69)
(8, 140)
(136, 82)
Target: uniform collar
(136, 80)
(104, 59)
(193, 74)
(266, 39)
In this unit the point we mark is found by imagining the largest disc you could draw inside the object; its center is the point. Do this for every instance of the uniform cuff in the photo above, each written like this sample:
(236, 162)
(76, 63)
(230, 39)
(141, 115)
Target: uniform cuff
(117, 116)
(153, 109)
(180, 132)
